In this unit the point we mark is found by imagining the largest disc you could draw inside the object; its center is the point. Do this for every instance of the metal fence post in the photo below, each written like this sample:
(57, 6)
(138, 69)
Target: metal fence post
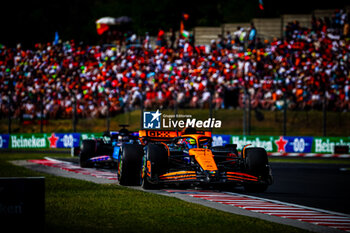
(74, 120)
(249, 114)
(9, 112)
(211, 108)
(142, 109)
(244, 111)
(324, 109)
(284, 114)
(176, 112)
(108, 115)
(41, 112)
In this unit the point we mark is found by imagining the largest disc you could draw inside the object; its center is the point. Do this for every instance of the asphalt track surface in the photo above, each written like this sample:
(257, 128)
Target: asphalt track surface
(323, 186)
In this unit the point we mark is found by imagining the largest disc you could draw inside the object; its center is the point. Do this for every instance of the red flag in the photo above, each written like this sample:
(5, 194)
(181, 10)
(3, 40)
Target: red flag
(182, 27)
(101, 28)
(183, 32)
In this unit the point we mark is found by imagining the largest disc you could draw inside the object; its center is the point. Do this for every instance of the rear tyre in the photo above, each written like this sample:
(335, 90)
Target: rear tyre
(256, 163)
(130, 165)
(88, 150)
(157, 156)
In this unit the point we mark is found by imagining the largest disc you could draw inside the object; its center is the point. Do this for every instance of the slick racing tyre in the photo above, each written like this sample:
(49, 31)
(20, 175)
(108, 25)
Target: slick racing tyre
(256, 163)
(157, 157)
(88, 150)
(130, 165)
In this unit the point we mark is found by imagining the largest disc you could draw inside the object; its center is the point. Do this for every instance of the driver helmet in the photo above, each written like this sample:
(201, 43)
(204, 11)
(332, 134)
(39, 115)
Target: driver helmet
(123, 138)
(190, 143)
(205, 145)
(123, 135)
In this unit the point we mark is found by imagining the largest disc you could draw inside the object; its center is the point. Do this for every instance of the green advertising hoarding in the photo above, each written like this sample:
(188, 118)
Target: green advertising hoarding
(39, 141)
(286, 144)
(84, 136)
(325, 145)
(267, 142)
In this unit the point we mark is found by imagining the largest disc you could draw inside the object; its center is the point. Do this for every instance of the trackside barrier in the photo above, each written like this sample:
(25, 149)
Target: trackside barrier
(44, 140)
(274, 145)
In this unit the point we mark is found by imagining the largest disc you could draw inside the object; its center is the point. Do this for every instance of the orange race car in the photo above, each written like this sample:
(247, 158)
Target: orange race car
(187, 157)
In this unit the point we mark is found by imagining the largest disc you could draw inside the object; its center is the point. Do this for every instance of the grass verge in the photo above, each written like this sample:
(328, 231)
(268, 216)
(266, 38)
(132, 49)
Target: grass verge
(80, 206)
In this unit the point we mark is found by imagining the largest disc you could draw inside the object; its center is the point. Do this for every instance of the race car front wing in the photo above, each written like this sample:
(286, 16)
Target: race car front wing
(210, 177)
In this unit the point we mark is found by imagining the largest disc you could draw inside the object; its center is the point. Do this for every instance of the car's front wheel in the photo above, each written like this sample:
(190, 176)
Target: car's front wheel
(154, 164)
(130, 165)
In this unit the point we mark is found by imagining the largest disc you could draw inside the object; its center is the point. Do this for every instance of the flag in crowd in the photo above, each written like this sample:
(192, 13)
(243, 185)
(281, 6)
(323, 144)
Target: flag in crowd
(261, 5)
(183, 32)
(101, 28)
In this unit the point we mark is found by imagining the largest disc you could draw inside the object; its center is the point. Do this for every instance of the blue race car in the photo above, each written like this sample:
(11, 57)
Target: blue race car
(105, 151)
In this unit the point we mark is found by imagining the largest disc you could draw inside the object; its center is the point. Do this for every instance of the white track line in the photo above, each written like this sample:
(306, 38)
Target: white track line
(290, 204)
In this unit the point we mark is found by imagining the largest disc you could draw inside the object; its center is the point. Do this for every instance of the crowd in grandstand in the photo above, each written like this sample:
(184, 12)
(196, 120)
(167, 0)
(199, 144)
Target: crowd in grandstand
(301, 69)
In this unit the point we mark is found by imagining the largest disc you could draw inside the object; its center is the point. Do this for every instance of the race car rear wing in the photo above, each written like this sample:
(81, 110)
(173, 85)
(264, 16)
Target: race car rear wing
(188, 131)
(157, 135)
(168, 135)
(132, 135)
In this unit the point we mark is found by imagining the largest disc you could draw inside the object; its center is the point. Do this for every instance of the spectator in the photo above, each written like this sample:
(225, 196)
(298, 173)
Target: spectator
(172, 38)
(160, 37)
(237, 35)
(310, 64)
(252, 36)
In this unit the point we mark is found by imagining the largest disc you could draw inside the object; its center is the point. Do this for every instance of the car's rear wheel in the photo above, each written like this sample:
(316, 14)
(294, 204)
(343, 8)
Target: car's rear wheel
(256, 163)
(154, 164)
(130, 165)
(88, 150)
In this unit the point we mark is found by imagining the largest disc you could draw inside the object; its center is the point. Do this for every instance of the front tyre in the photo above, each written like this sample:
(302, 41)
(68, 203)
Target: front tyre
(130, 165)
(155, 164)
